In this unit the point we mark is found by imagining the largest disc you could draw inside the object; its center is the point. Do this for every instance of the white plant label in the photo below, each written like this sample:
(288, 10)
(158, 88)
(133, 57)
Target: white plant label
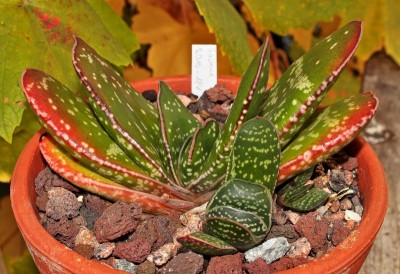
(204, 68)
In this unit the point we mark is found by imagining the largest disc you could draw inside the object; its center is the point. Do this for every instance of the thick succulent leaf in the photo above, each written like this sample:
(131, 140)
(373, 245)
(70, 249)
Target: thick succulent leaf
(126, 115)
(300, 195)
(296, 95)
(177, 123)
(250, 95)
(72, 123)
(330, 129)
(195, 151)
(84, 178)
(203, 243)
(239, 213)
(256, 154)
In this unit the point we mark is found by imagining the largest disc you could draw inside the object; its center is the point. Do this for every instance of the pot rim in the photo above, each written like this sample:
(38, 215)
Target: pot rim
(337, 260)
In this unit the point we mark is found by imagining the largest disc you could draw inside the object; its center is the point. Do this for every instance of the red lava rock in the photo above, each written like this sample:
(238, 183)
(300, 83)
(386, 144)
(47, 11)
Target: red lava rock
(350, 164)
(340, 232)
(346, 204)
(316, 231)
(95, 203)
(285, 263)
(62, 203)
(47, 179)
(335, 206)
(41, 201)
(259, 266)
(157, 231)
(86, 251)
(64, 231)
(117, 220)
(336, 216)
(135, 251)
(219, 94)
(279, 217)
(286, 231)
(226, 264)
(188, 263)
(146, 267)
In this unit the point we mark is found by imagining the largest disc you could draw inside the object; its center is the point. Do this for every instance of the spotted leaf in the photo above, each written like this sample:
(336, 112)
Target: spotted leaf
(250, 95)
(296, 95)
(128, 117)
(86, 179)
(239, 213)
(177, 123)
(330, 129)
(299, 193)
(256, 154)
(203, 243)
(72, 123)
(195, 151)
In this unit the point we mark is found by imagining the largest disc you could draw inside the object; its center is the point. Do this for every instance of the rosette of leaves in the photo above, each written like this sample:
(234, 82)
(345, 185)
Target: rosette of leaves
(116, 144)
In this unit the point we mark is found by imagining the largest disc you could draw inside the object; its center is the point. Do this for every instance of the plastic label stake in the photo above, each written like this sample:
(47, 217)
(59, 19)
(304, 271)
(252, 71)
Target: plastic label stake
(204, 68)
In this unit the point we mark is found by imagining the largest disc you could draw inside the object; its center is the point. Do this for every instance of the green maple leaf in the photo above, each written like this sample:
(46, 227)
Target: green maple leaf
(39, 34)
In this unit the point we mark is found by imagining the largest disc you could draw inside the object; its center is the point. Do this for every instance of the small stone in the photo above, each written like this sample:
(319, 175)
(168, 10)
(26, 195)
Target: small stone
(316, 231)
(346, 204)
(293, 216)
(322, 210)
(219, 94)
(279, 217)
(299, 248)
(184, 99)
(124, 265)
(340, 232)
(348, 176)
(352, 216)
(79, 220)
(163, 254)
(146, 268)
(350, 164)
(192, 221)
(104, 250)
(286, 231)
(259, 266)
(135, 251)
(321, 181)
(335, 206)
(231, 264)
(64, 231)
(62, 203)
(86, 237)
(85, 250)
(269, 251)
(47, 179)
(117, 220)
(336, 216)
(150, 95)
(188, 263)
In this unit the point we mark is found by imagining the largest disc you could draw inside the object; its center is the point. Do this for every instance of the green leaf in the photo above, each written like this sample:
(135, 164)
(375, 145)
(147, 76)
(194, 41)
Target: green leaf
(195, 151)
(256, 154)
(328, 131)
(82, 177)
(177, 123)
(127, 116)
(203, 243)
(230, 30)
(39, 34)
(250, 95)
(239, 213)
(284, 15)
(295, 96)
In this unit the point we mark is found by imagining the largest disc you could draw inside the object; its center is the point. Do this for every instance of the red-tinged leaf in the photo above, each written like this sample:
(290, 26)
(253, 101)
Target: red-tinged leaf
(125, 114)
(203, 243)
(71, 122)
(82, 177)
(330, 129)
(296, 95)
(250, 95)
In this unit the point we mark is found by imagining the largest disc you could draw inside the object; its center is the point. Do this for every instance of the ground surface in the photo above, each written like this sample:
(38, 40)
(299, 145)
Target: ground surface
(383, 77)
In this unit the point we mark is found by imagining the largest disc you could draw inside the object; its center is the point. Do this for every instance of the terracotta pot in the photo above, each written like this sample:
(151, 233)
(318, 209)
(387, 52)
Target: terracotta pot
(52, 257)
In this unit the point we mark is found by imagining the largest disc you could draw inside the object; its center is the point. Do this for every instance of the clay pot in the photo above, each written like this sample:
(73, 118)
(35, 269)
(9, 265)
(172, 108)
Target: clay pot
(51, 256)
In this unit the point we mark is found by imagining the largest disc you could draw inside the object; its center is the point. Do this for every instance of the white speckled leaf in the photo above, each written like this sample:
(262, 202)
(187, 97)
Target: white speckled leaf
(203, 243)
(195, 151)
(295, 96)
(328, 131)
(128, 117)
(177, 123)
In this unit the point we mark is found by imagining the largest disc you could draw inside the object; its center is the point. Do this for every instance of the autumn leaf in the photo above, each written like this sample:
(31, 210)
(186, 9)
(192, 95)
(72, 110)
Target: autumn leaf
(39, 34)
(381, 26)
(171, 41)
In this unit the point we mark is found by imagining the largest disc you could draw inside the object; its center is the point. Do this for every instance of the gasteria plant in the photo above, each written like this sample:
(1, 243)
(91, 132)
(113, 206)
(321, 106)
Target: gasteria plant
(118, 145)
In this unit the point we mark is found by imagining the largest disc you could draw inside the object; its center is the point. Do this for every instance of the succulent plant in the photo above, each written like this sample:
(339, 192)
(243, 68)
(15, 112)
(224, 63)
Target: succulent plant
(115, 143)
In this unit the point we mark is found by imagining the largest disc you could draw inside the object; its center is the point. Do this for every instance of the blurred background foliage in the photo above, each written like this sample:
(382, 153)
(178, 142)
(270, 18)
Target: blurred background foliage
(153, 38)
